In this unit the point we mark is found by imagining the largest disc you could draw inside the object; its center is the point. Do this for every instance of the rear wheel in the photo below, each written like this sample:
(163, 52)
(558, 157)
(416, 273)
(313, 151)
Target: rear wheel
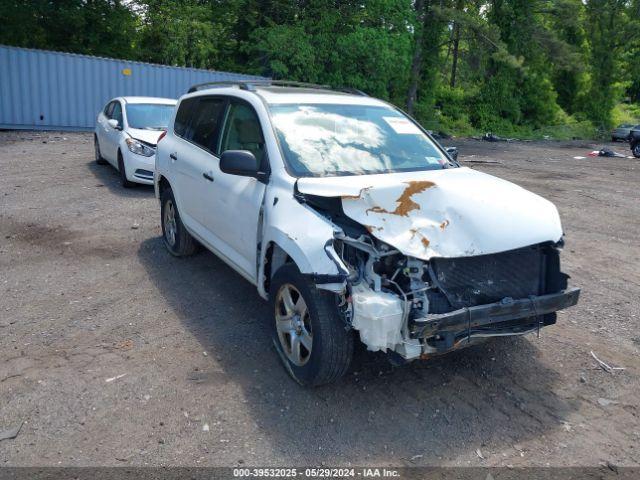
(178, 241)
(636, 150)
(311, 338)
(123, 174)
(98, 154)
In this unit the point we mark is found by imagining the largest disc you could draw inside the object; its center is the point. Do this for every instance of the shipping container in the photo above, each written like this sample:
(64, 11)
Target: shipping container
(43, 90)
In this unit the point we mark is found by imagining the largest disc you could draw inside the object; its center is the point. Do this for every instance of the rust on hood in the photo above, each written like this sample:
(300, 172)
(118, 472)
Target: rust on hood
(444, 224)
(356, 197)
(425, 242)
(404, 201)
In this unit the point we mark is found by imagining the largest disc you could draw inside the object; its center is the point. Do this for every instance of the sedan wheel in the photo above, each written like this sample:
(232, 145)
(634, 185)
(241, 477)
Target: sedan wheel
(293, 325)
(636, 151)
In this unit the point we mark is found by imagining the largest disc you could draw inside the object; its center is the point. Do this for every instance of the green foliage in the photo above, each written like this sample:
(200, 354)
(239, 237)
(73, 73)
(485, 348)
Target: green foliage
(626, 113)
(96, 27)
(522, 68)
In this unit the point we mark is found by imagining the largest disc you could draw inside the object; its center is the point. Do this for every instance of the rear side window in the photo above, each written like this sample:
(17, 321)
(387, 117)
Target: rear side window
(183, 117)
(205, 124)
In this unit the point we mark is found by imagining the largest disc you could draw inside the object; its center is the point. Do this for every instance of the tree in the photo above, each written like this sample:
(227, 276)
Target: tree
(95, 27)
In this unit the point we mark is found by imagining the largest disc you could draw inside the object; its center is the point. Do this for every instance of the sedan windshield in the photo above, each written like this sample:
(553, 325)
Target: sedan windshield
(326, 140)
(149, 116)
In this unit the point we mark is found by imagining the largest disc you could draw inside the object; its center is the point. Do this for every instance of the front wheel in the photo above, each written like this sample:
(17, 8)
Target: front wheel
(636, 150)
(311, 338)
(123, 173)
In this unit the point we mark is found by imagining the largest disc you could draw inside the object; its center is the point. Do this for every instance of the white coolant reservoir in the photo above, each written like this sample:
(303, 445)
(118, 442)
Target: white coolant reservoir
(378, 318)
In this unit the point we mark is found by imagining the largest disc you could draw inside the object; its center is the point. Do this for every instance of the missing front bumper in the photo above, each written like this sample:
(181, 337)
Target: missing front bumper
(508, 317)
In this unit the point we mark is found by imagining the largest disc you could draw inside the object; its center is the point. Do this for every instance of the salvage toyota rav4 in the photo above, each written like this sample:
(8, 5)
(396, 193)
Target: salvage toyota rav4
(354, 223)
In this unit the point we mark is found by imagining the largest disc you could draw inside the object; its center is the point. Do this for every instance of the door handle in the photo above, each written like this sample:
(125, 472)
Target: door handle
(208, 177)
(173, 156)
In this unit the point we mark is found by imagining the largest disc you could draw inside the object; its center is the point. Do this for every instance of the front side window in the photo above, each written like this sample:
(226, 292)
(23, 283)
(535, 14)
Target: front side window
(149, 116)
(326, 140)
(116, 114)
(242, 131)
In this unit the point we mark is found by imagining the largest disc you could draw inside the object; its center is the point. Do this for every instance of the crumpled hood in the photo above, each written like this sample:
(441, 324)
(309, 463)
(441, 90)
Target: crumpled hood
(149, 136)
(455, 212)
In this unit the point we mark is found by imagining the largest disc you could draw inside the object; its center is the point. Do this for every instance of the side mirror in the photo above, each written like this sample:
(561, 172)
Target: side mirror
(239, 162)
(453, 152)
(113, 123)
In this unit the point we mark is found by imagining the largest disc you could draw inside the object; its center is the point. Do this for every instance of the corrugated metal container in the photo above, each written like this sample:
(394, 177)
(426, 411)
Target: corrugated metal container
(44, 90)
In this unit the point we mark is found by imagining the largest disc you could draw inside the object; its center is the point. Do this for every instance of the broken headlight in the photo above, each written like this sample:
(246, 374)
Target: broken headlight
(139, 148)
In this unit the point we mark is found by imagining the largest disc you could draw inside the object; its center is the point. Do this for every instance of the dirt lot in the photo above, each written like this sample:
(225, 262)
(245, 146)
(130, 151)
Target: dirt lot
(115, 353)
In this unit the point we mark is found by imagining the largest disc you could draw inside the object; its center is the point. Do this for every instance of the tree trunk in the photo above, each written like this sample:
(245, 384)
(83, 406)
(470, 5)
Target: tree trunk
(416, 62)
(456, 46)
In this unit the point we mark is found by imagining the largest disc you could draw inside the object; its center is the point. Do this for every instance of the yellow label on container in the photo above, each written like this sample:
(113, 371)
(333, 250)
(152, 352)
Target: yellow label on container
(126, 71)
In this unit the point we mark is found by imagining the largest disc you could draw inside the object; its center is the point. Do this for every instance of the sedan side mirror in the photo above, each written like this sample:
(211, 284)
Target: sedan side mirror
(240, 162)
(453, 152)
(113, 123)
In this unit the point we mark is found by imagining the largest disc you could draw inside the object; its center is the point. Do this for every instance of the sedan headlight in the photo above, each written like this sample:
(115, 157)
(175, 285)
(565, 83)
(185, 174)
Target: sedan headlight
(140, 148)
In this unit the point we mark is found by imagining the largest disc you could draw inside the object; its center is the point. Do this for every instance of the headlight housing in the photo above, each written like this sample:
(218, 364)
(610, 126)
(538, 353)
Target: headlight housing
(140, 148)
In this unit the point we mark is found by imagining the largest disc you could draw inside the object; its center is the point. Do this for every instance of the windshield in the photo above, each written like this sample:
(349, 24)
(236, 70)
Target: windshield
(321, 140)
(149, 116)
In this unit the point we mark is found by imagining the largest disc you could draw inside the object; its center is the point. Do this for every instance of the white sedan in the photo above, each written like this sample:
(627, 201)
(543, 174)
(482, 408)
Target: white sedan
(126, 134)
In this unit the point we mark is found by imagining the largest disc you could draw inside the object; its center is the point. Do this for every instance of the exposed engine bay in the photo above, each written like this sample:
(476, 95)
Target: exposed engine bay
(416, 308)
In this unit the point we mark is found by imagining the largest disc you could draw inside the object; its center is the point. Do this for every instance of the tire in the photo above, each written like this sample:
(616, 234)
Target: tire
(315, 322)
(123, 175)
(178, 241)
(96, 147)
(635, 149)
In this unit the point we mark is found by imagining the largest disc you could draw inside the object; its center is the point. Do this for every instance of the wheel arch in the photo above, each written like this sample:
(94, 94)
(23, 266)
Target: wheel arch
(274, 257)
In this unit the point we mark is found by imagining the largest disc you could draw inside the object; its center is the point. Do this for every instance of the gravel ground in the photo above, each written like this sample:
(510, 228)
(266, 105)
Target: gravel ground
(115, 353)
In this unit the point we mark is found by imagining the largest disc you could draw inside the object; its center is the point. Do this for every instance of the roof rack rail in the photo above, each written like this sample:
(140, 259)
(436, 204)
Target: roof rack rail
(353, 91)
(243, 84)
(251, 84)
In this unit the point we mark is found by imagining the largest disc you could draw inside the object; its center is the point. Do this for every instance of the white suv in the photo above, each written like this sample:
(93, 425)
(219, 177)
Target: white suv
(127, 130)
(353, 222)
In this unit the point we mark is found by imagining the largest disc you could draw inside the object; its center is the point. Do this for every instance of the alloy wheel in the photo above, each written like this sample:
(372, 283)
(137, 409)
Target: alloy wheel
(293, 325)
(170, 227)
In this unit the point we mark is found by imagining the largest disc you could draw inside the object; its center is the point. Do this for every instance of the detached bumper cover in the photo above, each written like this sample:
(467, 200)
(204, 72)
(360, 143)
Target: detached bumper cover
(497, 318)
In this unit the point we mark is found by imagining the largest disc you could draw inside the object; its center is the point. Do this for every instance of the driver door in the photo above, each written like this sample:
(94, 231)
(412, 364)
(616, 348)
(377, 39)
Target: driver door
(238, 200)
(112, 135)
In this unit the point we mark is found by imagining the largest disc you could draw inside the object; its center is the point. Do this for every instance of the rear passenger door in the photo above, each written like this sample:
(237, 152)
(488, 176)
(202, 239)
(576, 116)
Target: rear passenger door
(197, 125)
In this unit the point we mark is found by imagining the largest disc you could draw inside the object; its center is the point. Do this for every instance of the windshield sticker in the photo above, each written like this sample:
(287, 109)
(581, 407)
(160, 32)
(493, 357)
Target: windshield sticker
(434, 160)
(402, 126)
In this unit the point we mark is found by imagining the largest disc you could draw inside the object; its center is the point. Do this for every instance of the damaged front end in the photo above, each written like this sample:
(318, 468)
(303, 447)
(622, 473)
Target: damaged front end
(415, 307)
